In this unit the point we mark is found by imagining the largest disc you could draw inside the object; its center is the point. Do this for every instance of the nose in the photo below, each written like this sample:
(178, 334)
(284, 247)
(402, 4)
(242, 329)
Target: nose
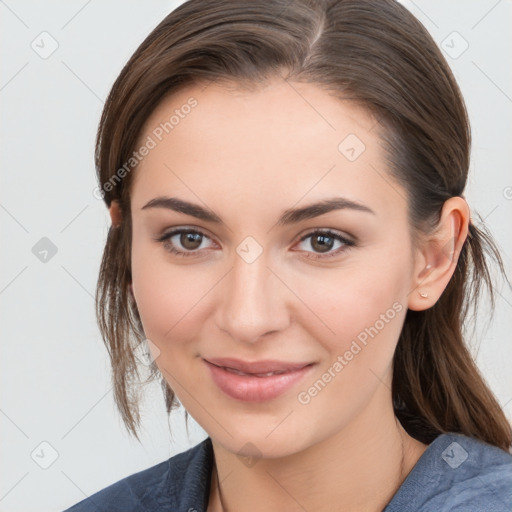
(253, 301)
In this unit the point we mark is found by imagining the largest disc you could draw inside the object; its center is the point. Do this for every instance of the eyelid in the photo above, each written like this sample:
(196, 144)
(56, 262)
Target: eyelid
(347, 243)
(178, 229)
(167, 234)
(344, 236)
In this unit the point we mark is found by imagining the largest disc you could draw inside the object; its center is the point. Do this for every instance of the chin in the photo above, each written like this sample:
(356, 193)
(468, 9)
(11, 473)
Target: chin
(262, 439)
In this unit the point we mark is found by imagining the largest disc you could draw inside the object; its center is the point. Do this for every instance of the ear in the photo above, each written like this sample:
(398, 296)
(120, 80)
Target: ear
(115, 213)
(438, 253)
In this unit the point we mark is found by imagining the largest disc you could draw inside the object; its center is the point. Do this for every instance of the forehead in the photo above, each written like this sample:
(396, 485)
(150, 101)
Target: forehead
(277, 144)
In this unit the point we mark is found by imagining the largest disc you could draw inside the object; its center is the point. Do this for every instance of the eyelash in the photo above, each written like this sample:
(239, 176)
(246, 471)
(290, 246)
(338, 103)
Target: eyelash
(165, 241)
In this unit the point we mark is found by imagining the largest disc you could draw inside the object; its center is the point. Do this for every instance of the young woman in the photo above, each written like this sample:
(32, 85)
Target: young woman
(291, 242)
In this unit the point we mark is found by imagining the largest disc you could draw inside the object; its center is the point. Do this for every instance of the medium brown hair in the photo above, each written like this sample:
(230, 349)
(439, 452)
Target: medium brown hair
(377, 55)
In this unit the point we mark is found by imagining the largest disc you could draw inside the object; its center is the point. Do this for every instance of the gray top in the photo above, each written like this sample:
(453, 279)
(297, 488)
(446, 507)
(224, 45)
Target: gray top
(455, 473)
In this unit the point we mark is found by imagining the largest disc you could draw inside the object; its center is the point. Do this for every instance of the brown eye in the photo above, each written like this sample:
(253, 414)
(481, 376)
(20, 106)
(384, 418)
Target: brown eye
(183, 242)
(190, 240)
(323, 242)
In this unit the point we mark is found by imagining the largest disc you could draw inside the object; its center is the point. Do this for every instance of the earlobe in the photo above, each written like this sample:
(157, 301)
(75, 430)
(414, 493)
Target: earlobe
(439, 254)
(115, 213)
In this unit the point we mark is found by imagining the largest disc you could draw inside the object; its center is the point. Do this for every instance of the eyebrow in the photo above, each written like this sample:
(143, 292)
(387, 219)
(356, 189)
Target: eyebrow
(290, 216)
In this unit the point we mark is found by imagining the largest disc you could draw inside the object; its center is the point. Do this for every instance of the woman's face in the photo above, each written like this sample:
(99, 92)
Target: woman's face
(257, 284)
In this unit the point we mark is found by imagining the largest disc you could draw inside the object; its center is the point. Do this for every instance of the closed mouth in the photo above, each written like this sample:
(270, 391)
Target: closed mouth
(267, 374)
(262, 368)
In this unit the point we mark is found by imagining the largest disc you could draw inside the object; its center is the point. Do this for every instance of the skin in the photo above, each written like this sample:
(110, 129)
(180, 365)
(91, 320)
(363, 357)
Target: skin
(248, 156)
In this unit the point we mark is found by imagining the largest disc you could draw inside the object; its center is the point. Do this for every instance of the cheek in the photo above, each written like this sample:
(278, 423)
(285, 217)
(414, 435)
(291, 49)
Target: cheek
(364, 309)
(169, 297)
(354, 303)
(366, 316)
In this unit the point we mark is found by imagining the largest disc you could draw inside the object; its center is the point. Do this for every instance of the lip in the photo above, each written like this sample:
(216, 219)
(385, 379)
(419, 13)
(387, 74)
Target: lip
(252, 387)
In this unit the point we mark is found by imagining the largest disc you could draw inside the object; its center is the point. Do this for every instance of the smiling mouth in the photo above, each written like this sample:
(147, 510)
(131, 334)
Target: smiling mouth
(267, 374)
(256, 381)
(262, 368)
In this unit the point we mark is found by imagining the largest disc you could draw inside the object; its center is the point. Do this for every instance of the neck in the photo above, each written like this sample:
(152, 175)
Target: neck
(361, 466)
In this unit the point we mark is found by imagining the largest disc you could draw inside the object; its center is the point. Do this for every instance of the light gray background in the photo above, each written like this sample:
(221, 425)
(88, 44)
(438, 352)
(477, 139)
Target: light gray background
(55, 375)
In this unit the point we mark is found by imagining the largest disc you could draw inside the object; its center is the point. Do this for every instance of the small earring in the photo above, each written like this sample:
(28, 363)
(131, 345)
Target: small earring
(423, 295)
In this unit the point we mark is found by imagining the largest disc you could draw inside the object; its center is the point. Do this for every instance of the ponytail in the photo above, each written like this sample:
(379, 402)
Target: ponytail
(437, 387)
